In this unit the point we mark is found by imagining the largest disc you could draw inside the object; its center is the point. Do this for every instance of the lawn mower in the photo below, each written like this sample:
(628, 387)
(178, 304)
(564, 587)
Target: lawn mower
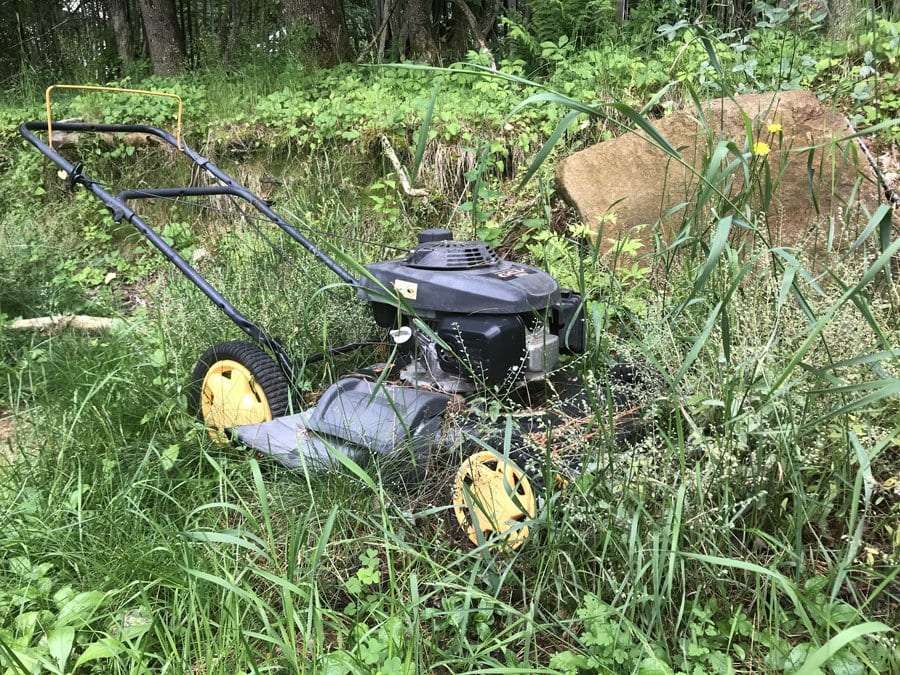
(460, 320)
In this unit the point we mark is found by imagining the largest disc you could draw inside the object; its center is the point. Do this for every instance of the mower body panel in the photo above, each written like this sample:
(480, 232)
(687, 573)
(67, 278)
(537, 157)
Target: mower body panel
(356, 418)
(499, 288)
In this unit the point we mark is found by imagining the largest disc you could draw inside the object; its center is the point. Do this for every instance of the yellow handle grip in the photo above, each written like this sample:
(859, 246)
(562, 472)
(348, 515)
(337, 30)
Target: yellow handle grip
(116, 90)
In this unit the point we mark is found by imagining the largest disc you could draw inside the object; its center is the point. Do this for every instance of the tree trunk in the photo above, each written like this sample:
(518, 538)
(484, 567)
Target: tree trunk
(458, 38)
(423, 46)
(841, 14)
(489, 16)
(476, 30)
(227, 19)
(118, 17)
(164, 37)
(326, 18)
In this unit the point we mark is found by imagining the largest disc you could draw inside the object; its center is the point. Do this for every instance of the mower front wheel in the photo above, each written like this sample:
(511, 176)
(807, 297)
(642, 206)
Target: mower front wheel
(236, 383)
(492, 498)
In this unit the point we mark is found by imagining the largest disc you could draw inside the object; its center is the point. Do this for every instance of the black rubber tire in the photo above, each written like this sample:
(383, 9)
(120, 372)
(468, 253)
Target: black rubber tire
(266, 373)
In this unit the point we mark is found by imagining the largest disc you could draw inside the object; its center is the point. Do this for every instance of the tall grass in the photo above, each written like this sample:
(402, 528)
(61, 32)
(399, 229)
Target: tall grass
(751, 525)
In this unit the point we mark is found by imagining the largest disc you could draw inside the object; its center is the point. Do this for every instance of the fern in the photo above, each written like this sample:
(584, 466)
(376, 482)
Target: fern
(581, 21)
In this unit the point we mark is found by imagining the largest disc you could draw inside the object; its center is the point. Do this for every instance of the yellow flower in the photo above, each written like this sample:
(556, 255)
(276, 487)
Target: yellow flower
(774, 128)
(761, 149)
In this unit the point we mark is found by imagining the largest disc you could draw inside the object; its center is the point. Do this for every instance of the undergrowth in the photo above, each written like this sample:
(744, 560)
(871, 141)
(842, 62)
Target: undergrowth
(750, 527)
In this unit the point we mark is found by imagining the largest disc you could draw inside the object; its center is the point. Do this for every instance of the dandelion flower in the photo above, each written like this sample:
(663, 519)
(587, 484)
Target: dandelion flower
(761, 149)
(774, 128)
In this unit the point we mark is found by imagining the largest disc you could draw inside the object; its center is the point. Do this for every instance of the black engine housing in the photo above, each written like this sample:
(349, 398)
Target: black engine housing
(480, 306)
(489, 348)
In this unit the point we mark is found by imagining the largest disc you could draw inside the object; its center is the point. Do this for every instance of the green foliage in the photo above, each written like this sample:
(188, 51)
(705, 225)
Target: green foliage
(48, 628)
(611, 645)
(552, 24)
(750, 525)
(138, 109)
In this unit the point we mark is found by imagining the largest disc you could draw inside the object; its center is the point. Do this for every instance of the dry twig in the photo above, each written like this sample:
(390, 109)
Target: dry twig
(58, 322)
(405, 183)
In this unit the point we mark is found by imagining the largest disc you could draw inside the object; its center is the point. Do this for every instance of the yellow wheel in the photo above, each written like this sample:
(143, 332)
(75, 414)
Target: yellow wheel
(493, 497)
(236, 383)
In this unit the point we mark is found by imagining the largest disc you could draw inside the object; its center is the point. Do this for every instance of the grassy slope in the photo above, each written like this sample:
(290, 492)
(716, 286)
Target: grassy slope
(755, 521)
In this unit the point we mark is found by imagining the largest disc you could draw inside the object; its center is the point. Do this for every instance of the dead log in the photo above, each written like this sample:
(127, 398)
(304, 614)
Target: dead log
(71, 139)
(59, 322)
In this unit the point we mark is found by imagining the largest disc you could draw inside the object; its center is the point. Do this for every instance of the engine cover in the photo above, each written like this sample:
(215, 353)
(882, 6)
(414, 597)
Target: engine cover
(441, 277)
(486, 320)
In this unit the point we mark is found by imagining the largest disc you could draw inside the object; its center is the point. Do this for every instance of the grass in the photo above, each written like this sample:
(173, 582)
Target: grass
(752, 525)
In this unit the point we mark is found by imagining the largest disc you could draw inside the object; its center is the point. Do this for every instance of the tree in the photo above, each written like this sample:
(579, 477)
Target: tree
(476, 30)
(422, 44)
(326, 18)
(164, 37)
(841, 16)
(118, 17)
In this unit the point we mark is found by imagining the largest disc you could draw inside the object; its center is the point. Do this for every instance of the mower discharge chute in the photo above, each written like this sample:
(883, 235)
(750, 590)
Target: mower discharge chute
(462, 320)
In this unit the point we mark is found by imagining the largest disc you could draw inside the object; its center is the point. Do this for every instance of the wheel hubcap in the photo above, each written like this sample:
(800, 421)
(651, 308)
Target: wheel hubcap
(493, 496)
(231, 397)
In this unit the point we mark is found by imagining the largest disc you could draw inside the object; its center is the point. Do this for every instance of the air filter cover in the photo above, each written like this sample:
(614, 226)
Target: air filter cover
(452, 255)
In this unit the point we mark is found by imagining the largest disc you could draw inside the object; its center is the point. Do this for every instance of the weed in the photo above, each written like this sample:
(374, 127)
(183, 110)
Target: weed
(751, 525)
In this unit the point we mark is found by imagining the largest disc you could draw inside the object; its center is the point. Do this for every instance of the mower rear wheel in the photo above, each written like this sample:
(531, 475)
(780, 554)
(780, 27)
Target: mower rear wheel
(492, 496)
(236, 383)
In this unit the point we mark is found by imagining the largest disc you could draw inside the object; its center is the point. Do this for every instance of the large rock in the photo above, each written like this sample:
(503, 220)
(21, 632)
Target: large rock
(638, 182)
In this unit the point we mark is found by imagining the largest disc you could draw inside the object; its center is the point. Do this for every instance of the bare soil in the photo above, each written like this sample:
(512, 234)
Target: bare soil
(7, 430)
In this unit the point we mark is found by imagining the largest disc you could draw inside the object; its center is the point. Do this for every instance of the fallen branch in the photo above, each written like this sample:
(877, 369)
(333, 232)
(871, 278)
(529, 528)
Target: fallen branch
(69, 139)
(58, 322)
(892, 195)
(405, 183)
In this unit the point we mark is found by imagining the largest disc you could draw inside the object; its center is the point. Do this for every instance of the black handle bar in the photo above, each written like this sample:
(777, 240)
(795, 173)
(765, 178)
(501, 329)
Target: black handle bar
(120, 210)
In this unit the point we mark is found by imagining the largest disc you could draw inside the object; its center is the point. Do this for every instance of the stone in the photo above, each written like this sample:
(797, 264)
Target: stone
(638, 183)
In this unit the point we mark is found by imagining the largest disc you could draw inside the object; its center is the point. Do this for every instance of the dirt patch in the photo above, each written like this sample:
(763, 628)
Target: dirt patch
(7, 434)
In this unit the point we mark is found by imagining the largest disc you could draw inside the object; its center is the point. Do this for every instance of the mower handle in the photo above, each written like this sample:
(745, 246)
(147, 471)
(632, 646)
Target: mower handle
(120, 210)
(115, 205)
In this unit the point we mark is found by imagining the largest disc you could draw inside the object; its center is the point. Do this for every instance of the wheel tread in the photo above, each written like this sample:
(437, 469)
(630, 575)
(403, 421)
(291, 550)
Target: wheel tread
(266, 373)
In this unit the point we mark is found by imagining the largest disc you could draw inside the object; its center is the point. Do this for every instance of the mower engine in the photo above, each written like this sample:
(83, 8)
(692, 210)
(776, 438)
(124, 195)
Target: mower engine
(468, 320)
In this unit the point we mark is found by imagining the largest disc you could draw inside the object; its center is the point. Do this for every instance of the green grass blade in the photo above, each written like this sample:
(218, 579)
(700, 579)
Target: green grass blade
(782, 581)
(227, 538)
(862, 359)
(548, 145)
(353, 468)
(881, 213)
(626, 111)
(714, 174)
(699, 342)
(716, 246)
(823, 321)
(424, 129)
(711, 319)
(891, 389)
(823, 654)
(324, 536)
